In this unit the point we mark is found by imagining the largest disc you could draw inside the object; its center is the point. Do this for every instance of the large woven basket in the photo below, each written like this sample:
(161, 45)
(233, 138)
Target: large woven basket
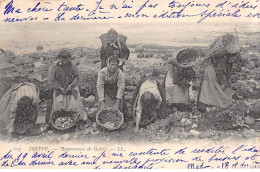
(104, 39)
(110, 119)
(187, 57)
(64, 120)
(227, 43)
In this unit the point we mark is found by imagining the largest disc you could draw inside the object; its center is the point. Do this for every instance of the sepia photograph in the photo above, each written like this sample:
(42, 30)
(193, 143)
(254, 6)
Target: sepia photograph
(129, 83)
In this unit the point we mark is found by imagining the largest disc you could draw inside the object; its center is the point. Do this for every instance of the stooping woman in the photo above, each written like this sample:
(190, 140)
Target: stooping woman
(64, 79)
(178, 79)
(148, 101)
(215, 89)
(111, 86)
(19, 109)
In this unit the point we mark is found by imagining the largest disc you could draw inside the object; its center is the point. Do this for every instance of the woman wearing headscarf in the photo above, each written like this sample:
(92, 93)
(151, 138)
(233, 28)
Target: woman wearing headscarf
(19, 109)
(64, 79)
(215, 89)
(111, 86)
(178, 79)
(113, 46)
(148, 101)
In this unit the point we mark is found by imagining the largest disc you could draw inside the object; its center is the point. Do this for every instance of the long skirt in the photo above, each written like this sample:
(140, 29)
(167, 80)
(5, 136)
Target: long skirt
(70, 102)
(176, 94)
(110, 100)
(211, 92)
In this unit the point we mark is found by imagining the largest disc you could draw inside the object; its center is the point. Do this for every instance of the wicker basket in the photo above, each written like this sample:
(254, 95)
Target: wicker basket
(110, 119)
(224, 44)
(64, 120)
(186, 58)
(104, 39)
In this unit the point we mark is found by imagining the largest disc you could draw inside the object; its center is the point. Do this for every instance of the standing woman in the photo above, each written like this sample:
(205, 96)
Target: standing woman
(113, 46)
(215, 89)
(111, 86)
(64, 79)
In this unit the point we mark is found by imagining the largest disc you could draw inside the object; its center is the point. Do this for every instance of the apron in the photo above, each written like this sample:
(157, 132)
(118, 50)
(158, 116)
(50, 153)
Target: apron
(174, 92)
(211, 92)
(68, 102)
(110, 87)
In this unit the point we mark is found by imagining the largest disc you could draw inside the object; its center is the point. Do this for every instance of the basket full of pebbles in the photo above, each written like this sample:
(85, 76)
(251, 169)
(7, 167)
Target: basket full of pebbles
(64, 120)
(110, 119)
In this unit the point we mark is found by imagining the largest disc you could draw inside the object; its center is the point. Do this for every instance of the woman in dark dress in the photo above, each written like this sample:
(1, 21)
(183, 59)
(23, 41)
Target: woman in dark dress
(112, 46)
(179, 78)
(215, 89)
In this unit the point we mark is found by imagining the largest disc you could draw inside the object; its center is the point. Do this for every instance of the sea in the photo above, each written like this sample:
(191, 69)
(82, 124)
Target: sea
(23, 38)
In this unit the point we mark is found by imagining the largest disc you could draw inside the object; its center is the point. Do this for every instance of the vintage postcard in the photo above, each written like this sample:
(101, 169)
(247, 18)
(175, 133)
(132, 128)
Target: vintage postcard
(129, 84)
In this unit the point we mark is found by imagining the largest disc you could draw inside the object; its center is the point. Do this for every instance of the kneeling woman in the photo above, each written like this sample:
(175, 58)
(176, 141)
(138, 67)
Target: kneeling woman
(64, 78)
(215, 89)
(178, 79)
(148, 102)
(111, 86)
(19, 109)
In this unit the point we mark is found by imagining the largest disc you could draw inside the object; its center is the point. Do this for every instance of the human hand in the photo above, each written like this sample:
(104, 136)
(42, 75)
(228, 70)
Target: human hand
(69, 88)
(63, 90)
(187, 85)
